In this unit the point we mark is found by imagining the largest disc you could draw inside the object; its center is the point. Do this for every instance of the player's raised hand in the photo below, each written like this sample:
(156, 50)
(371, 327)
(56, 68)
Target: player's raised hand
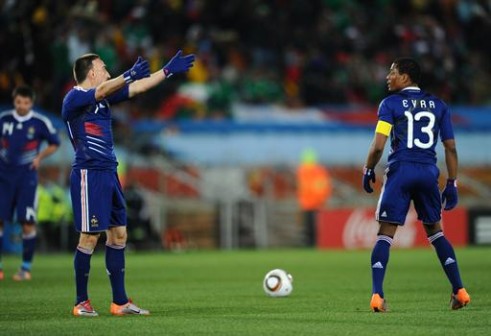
(450, 196)
(178, 64)
(368, 176)
(140, 69)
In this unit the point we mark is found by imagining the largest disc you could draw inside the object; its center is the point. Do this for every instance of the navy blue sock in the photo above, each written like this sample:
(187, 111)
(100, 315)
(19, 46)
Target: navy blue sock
(81, 263)
(115, 264)
(380, 258)
(446, 254)
(28, 247)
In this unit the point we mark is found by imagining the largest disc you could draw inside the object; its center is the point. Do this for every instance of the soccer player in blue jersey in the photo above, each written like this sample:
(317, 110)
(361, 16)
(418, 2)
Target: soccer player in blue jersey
(414, 120)
(23, 133)
(97, 197)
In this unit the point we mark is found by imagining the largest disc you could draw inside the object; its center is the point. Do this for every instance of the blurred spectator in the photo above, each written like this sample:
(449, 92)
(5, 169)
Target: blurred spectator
(291, 52)
(139, 227)
(313, 190)
(173, 239)
(54, 213)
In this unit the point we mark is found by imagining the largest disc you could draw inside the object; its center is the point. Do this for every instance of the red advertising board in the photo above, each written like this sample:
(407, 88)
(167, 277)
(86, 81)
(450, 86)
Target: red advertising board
(357, 229)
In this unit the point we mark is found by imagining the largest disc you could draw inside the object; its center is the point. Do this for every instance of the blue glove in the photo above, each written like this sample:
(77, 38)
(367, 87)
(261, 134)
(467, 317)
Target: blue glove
(178, 64)
(449, 195)
(140, 70)
(368, 175)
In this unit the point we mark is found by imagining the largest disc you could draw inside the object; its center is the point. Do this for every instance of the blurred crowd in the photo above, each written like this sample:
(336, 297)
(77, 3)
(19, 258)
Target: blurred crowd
(290, 52)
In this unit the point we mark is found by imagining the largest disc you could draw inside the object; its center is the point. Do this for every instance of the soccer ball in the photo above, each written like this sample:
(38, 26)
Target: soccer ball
(278, 283)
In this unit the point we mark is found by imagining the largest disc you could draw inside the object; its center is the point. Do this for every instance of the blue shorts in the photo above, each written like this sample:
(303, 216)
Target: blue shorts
(97, 200)
(406, 181)
(18, 192)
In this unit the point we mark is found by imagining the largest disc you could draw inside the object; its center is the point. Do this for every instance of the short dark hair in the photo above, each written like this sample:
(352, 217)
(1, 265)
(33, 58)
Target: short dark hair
(410, 67)
(82, 66)
(24, 91)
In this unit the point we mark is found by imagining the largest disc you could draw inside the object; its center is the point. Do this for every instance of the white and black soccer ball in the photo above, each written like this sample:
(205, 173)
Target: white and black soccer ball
(278, 283)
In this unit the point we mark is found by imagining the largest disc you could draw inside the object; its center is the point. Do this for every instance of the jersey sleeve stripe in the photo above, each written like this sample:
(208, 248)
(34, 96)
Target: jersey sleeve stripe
(46, 121)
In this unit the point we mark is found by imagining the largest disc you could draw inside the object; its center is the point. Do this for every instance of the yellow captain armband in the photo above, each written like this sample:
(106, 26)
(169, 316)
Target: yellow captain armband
(383, 127)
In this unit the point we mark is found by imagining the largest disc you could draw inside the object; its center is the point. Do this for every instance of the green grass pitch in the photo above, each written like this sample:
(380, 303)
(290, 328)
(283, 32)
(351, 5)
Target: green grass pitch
(220, 293)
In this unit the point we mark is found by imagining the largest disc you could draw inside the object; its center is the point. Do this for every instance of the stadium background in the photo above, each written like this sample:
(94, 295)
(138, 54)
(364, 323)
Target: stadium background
(213, 154)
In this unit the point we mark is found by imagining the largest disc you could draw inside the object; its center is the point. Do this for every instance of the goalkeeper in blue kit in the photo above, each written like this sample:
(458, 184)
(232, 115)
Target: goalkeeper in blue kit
(97, 197)
(413, 119)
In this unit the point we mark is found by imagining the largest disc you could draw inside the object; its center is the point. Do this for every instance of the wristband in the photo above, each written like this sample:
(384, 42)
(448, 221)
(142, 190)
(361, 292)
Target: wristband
(128, 76)
(167, 72)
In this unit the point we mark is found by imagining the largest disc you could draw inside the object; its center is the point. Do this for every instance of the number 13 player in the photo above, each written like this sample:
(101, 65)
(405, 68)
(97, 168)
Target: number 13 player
(413, 119)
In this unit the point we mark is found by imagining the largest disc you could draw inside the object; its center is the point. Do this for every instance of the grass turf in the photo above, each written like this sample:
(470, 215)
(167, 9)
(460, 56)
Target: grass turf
(220, 293)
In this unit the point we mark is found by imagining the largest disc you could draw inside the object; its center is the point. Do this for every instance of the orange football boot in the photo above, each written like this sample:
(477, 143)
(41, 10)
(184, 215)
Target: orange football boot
(22, 275)
(459, 300)
(128, 308)
(378, 304)
(84, 308)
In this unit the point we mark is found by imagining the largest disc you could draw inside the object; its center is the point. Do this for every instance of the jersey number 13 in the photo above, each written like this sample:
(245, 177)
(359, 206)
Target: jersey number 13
(428, 129)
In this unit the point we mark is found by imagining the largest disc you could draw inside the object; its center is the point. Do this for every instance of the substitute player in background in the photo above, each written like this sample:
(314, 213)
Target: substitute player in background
(22, 133)
(413, 119)
(97, 197)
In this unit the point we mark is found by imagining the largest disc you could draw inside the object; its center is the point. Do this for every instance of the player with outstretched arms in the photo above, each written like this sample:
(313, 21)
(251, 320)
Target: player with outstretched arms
(414, 120)
(97, 197)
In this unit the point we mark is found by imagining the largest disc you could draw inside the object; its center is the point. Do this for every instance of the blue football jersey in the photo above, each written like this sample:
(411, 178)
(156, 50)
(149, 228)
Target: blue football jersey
(418, 119)
(21, 137)
(89, 127)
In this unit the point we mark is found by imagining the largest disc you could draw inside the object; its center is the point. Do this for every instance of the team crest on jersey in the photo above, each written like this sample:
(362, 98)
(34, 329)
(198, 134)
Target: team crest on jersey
(94, 222)
(31, 132)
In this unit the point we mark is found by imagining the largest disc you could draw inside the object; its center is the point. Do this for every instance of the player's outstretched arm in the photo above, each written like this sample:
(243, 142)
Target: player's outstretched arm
(139, 70)
(177, 64)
